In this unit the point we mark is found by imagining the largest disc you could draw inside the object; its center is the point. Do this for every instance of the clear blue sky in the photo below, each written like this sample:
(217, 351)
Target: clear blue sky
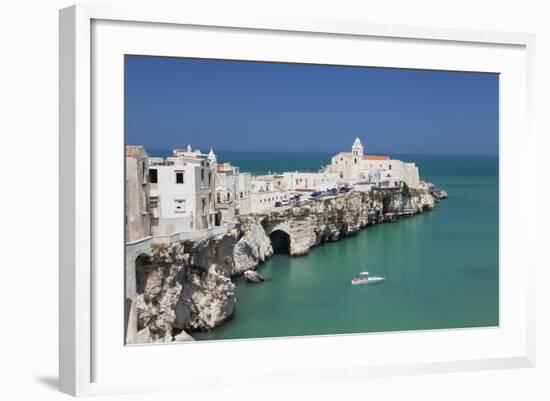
(235, 105)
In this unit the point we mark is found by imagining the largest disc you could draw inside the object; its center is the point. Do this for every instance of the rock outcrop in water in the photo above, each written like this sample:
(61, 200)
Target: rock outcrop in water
(253, 276)
(253, 248)
(186, 286)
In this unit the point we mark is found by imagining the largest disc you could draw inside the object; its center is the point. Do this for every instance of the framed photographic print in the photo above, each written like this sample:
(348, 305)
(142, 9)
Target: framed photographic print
(351, 194)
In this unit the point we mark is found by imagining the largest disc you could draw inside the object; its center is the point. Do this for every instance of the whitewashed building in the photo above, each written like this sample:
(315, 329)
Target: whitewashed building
(380, 170)
(137, 214)
(266, 191)
(182, 189)
(309, 182)
(233, 191)
(244, 193)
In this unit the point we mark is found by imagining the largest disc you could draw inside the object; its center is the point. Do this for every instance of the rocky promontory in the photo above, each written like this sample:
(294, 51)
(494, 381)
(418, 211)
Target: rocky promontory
(185, 286)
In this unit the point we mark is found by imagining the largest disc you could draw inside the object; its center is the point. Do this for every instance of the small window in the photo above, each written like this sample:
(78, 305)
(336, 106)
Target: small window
(153, 176)
(241, 195)
(209, 179)
(179, 205)
(202, 176)
(179, 177)
(390, 166)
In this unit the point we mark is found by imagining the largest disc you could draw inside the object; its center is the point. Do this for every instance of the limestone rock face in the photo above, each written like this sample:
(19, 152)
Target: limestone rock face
(208, 295)
(183, 336)
(311, 223)
(253, 248)
(253, 276)
(207, 300)
(155, 306)
(186, 285)
(144, 336)
(189, 287)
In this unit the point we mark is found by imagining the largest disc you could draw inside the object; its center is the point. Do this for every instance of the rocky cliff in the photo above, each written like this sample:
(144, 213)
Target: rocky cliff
(186, 286)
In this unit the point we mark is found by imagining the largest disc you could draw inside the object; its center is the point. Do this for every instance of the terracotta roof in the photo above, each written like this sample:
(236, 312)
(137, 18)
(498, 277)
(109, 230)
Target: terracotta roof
(376, 157)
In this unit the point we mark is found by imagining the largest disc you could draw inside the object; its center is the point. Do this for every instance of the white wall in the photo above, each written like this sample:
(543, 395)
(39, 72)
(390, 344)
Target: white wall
(180, 204)
(311, 181)
(266, 200)
(167, 190)
(29, 125)
(237, 186)
(342, 164)
(244, 189)
(407, 172)
(226, 189)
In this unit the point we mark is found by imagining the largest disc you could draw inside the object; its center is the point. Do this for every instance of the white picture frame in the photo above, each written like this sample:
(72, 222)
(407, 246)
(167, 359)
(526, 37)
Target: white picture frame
(82, 349)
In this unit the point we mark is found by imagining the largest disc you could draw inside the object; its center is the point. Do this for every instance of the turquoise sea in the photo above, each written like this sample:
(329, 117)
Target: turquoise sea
(441, 266)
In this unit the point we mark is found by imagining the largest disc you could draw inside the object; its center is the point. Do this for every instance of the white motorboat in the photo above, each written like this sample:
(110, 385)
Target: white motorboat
(365, 278)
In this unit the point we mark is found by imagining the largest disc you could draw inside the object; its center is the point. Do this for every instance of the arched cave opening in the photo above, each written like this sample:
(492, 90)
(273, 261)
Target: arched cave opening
(280, 241)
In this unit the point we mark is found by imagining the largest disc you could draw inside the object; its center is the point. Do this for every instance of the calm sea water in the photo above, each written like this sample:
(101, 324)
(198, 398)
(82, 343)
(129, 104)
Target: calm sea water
(441, 266)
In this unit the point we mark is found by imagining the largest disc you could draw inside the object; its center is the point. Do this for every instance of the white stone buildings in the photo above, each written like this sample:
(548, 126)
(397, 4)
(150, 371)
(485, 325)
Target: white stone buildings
(137, 215)
(233, 191)
(308, 182)
(267, 190)
(190, 191)
(182, 189)
(270, 190)
(357, 168)
(244, 193)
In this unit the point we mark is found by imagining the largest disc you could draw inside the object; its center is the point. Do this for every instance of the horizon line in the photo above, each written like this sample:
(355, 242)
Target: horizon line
(216, 151)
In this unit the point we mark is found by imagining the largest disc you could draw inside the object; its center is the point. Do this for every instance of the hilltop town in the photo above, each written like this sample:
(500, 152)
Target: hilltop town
(193, 224)
(191, 192)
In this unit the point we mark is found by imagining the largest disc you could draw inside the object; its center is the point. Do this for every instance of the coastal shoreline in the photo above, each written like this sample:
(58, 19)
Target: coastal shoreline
(186, 286)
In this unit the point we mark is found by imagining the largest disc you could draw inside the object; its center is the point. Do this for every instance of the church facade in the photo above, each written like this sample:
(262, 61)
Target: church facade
(378, 170)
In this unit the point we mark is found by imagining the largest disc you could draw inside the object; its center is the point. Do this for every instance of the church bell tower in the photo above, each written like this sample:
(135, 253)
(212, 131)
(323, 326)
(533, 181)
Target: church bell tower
(357, 148)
